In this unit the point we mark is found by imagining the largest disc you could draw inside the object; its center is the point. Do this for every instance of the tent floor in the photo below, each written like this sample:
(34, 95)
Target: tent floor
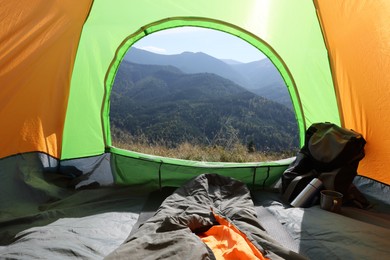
(91, 223)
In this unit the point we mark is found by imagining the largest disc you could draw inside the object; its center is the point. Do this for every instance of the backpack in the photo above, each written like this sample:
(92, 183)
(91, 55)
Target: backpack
(331, 154)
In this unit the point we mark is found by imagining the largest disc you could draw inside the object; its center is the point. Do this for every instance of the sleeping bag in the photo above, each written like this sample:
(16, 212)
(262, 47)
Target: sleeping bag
(210, 217)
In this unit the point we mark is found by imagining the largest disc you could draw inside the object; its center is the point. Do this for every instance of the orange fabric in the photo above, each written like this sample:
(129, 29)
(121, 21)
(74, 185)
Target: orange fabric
(357, 35)
(38, 43)
(227, 242)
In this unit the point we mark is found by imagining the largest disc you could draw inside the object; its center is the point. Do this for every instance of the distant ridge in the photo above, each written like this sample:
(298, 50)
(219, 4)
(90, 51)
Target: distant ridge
(188, 62)
(231, 62)
(260, 77)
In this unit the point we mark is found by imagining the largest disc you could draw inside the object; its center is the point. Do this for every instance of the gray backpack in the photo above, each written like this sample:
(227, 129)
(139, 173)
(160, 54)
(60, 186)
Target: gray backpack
(331, 154)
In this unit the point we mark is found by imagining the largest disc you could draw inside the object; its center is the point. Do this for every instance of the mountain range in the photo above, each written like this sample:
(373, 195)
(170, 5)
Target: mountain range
(163, 102)
(260, 77)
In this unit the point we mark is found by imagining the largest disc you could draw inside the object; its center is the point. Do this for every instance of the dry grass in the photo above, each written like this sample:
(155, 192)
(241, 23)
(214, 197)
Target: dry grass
(235, 152)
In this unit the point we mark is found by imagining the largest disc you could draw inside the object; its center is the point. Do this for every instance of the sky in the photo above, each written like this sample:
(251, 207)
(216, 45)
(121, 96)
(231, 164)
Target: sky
(194, 39)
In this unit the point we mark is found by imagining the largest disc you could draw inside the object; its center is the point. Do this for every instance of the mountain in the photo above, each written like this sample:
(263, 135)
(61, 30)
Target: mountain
(231, 62)
(260, 77)
(164, 103)
(188, 62)
(265, 80)
(261, 73)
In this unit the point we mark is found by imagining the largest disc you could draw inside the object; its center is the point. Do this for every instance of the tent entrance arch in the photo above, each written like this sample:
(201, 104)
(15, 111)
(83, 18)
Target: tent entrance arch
(203, 23)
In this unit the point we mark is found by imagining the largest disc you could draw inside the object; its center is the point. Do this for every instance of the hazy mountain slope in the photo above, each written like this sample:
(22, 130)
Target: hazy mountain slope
(188, 62)
(261, 73)
(164, 103)
(265, 80)
(260, 77)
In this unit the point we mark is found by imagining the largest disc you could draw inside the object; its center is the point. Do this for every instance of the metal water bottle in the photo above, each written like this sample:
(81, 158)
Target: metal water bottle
(307, 195)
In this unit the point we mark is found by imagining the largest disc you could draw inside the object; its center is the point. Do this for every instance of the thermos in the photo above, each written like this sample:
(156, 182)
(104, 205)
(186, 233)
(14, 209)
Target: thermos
(308, 194)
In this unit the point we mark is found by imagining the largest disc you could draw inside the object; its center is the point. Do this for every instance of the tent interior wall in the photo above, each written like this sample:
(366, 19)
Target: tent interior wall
(84, 44)
(58, 61)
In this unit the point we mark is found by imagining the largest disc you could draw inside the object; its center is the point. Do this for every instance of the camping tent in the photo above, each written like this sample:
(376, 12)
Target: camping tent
(58, 61)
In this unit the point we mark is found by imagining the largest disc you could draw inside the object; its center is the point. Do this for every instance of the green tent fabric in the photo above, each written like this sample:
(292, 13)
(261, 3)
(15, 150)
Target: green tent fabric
(110, 44)
(295, 46)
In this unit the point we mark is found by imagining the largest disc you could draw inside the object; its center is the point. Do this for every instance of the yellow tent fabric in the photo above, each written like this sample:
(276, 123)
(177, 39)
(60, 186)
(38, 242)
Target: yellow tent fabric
(357, 35)
(38, 44)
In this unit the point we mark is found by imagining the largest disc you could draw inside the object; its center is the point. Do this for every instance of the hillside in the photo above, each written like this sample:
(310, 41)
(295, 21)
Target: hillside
(265, 80)
(164, 103)
(260, 77)
(188, 62)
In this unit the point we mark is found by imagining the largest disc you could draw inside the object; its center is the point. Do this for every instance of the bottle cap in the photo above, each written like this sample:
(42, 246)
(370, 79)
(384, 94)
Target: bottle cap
(316, 183)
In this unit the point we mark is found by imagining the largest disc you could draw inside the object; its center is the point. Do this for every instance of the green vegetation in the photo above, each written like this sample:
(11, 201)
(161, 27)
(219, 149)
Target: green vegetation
(234, 152)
